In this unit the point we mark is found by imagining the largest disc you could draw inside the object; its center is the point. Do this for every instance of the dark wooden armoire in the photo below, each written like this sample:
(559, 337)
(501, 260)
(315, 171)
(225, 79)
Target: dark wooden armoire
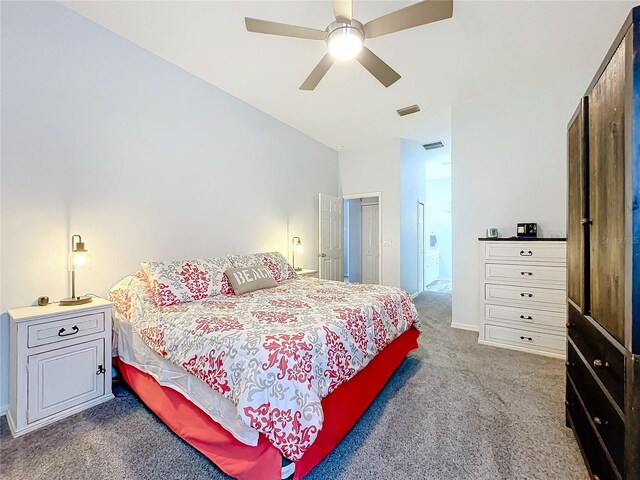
(603, 264)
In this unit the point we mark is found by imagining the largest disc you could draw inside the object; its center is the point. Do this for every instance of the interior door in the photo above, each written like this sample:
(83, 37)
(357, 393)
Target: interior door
(370, 244)
(420, 246)
(330, 263)
(578, 211)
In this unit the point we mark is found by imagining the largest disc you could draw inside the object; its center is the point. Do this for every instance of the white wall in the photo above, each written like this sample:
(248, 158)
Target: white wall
(508, 165)
(144, 160)
(413, 177)
(376, 168)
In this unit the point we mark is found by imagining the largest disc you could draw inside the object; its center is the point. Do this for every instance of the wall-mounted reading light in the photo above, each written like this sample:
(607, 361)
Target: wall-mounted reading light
(79, 259)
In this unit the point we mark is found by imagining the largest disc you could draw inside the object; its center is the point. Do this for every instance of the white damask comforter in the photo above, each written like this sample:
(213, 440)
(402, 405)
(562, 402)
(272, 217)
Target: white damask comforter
(273, 353)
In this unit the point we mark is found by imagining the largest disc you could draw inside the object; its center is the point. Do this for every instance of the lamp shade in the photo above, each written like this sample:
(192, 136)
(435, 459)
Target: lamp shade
(79, 258)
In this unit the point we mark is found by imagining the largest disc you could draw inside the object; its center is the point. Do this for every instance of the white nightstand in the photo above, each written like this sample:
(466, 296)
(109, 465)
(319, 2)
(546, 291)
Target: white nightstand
(60, 362)
(305, 272)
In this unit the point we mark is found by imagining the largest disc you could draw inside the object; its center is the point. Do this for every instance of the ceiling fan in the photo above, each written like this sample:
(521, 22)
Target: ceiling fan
(346, 36)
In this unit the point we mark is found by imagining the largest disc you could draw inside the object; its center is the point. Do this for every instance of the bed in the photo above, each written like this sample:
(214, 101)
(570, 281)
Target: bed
(264, 384)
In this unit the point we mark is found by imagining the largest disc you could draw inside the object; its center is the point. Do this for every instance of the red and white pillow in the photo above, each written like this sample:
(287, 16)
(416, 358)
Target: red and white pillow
(274, 261)
(181, 281)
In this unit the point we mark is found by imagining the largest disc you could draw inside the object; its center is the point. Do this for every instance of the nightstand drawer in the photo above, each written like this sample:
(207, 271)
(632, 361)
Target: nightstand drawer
(61, 330)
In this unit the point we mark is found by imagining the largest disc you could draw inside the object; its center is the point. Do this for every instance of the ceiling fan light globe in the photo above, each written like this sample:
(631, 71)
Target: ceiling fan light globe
(345, 43)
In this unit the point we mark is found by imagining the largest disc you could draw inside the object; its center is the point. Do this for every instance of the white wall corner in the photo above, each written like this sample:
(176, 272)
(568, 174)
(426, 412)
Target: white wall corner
(465, 326)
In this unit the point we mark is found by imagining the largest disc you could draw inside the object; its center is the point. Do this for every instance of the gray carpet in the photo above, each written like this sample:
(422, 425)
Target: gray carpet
(453, 410)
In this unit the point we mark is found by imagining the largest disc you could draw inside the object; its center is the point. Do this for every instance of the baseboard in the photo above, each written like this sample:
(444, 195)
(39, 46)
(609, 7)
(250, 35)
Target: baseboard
(465, 326)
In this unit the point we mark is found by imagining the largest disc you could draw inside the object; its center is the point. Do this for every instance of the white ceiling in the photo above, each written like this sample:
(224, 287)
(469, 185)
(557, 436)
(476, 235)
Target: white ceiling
(488, 47)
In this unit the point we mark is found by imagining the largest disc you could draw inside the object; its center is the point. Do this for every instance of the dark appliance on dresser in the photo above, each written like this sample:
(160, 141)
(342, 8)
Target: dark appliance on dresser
(603, 264)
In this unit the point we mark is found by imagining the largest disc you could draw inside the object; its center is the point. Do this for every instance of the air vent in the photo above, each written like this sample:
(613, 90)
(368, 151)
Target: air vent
(433, 146)
(408, 110)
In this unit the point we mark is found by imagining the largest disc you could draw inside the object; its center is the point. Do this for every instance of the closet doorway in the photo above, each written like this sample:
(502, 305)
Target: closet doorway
(362, 238)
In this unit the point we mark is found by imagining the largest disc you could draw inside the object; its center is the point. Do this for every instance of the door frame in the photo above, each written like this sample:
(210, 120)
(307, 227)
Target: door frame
(354, 196)
(421, 260)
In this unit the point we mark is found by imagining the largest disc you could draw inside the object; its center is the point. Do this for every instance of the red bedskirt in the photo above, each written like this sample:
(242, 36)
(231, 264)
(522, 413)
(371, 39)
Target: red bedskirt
(342, 409)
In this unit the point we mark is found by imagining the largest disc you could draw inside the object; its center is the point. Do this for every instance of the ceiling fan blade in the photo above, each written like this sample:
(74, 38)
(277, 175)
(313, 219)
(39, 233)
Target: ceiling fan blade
(383, 72)
(282, 29)
(420, 13)
(343, 10)
(318, 73)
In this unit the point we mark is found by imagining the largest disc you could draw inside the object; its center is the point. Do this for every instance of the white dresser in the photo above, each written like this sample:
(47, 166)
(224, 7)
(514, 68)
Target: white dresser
(523, 304)
(60, 362)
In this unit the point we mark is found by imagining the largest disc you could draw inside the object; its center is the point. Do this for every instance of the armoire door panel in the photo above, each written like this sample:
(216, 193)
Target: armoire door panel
(577, 208)
(606, 196)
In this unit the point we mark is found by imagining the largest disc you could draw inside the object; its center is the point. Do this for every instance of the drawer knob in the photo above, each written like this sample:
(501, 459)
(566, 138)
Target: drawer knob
(528, 254)
(599, 422)
(528, 317)
(528, 295)
(100, 370)
(569, 364)
(597, 363)
(527, 338)
(529, 274)
(570, 325)
(61, 332)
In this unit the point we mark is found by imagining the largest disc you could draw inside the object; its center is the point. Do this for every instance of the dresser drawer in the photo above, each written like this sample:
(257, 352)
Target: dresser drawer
(62, 330)
(525, 295)
(604, 418)
(594, 455)
(524, 316)
(526, 274)
(529, 251)
(605, 359)
(524, 338)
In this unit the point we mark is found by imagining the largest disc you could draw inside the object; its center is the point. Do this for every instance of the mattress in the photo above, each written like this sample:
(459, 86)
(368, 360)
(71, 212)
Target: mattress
(133, 351)
(274, 353)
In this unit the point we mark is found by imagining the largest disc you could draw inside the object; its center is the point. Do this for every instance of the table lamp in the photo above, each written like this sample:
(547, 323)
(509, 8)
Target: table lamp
(79, 259)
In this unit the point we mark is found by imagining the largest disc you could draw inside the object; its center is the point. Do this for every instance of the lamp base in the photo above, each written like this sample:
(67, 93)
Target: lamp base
(75, 301)
(297, 269)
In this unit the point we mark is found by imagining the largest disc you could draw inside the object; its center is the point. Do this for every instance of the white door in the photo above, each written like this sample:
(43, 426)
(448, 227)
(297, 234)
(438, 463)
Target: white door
(52, 388)
(370, 244)
(331, 238)
(420, 246)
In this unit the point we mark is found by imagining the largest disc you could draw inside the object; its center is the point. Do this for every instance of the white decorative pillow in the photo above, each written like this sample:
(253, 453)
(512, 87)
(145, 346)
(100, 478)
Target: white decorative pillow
(274, 261)
(180, 281)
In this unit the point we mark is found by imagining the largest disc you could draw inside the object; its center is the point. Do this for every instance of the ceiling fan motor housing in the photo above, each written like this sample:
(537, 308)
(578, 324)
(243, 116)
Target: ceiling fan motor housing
(344, 40)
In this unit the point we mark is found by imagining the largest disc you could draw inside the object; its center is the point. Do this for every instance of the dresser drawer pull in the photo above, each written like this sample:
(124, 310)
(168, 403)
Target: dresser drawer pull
(597, 363)
(569, 364)
(570, 325)
(528, 317)
(530, 274)
(528, 254)
(527, 338)
(528, 295)
(100, 370)
(62, 330)
(599, 422)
